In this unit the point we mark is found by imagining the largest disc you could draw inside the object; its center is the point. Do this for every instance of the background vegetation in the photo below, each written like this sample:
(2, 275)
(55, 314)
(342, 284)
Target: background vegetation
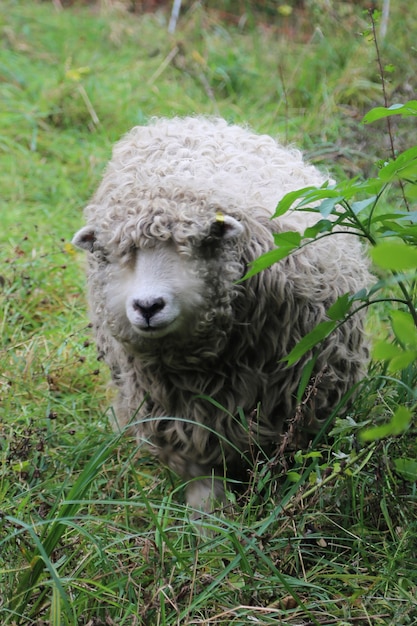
(90, 533)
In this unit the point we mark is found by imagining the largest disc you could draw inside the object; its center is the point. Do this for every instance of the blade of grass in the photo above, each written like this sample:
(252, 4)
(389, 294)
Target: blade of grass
(53, 531)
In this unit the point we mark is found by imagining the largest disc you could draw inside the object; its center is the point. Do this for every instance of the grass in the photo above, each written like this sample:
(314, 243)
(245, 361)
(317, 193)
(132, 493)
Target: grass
(90, 533)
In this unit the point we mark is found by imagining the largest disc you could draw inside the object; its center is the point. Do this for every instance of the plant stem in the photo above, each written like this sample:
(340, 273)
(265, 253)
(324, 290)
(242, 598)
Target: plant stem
(386, 101)
(409, 302)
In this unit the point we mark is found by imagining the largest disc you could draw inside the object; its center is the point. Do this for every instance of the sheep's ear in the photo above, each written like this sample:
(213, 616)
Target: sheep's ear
(85, 238)
(232, 228)
(225, 227)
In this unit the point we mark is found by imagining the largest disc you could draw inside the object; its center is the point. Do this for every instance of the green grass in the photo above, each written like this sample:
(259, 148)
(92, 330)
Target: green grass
(90, 533)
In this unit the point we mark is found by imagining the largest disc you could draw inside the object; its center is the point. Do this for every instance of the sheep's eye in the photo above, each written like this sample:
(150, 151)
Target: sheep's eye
(129, 255)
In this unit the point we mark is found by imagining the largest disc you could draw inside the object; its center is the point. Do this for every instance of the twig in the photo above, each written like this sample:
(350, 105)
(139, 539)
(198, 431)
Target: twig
(176, 7)
(170, 56)
(88, 104)
(383, 82)
(386, 102)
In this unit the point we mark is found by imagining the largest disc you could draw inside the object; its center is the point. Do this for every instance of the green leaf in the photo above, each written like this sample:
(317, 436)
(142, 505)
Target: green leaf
(404, 328)
(403, 360)
(307, 197)
(314, 454)
(305, 377)
(360, 205)
(395, 256)
(293, 477)
(385, 351)
(407, 468)
(286, 242)
(361, 296)
(290, 239)
(322, 226)
(406, 232)
(273, 256)
(411, 191)
(309, 341)
(55, 617)
(327, 206)
(407, 109)
(290, 198)
(400, 216)
(403, 167)
(339, 309)
(372, 187)
(397, 425)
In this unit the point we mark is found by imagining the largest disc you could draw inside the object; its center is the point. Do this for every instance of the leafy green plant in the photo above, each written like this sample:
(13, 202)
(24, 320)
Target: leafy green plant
(372, 210)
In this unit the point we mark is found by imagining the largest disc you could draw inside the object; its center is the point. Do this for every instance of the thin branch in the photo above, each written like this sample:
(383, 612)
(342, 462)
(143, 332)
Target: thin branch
(383, 82)
(386, 101)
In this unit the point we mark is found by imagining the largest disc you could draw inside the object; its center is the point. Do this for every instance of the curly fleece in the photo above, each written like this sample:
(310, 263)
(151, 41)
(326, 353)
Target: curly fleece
(185, 393)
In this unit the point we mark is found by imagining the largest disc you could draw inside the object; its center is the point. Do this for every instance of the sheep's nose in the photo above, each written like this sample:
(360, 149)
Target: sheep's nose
(148, 308)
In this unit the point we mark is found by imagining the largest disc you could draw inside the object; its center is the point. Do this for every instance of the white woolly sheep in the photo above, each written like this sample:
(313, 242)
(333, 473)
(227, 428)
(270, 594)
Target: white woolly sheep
(184, 206)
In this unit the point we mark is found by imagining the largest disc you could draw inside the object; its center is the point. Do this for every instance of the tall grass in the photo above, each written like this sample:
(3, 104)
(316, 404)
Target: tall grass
(92, 531)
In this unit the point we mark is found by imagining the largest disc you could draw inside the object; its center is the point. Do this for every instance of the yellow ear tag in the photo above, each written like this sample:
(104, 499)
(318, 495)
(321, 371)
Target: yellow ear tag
(219, 216)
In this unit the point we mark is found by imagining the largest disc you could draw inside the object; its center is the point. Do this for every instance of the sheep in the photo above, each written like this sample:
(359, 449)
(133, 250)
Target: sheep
(194, 351)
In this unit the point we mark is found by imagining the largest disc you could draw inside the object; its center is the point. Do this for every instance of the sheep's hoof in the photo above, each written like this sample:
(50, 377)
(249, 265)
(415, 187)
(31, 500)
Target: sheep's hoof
(205, 496)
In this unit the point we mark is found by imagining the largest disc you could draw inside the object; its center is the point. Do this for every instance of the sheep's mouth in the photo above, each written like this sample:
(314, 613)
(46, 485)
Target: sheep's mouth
(154, 332)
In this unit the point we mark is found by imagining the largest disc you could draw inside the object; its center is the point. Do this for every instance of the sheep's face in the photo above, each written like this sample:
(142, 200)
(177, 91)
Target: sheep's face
(157, 293)
(166, 287)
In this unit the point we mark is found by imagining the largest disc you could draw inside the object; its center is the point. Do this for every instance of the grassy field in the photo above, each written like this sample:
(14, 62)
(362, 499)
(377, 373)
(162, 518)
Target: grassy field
(91, 534)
